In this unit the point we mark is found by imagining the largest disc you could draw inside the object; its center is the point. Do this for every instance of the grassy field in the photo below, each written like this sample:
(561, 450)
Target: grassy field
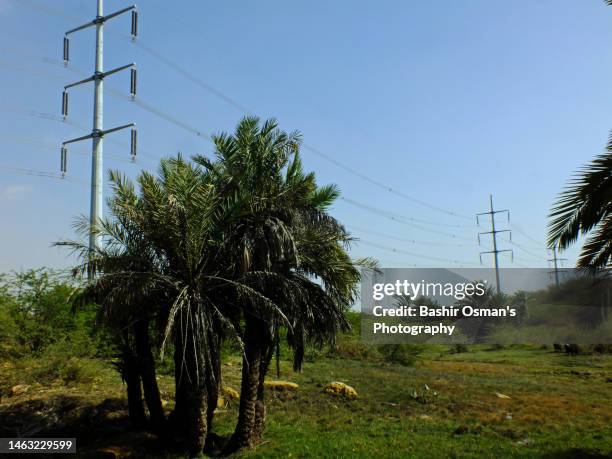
(516, 402)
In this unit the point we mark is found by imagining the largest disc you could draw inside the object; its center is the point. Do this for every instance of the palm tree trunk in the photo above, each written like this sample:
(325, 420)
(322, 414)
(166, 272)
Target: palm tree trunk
(260, 406)
(148, 375)
(190, 415)
(214, 380)
(192, 421)
(212, 445)
(131, 376)
(128, 368)
(243, 436)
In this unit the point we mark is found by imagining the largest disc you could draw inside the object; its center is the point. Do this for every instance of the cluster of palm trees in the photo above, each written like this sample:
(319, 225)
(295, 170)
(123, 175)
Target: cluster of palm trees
(239, 246)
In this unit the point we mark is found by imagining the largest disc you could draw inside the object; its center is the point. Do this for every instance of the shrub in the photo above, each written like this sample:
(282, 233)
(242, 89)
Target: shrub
(353, 349)
(9, 341)
(402, 354)
(66, 370)
(459, 348)
(37, 318)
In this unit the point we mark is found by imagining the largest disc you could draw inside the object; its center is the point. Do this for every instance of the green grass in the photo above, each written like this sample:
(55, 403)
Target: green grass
(559, 406)
(551, 409)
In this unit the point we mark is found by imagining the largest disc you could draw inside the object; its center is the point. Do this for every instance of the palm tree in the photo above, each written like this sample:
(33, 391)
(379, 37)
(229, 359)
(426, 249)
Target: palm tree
(584, 208)
(124, 307)
(170, 228)
(243, 246)
(286, 240)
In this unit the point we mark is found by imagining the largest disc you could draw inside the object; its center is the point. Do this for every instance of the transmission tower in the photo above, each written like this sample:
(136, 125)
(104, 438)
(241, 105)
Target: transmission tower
(494, 232)
(98, 132)
(555, 261)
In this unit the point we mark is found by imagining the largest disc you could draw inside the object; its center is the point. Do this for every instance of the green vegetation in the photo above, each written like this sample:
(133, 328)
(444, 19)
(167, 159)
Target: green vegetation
(207, 271)
(445, 403)
(239, 248)
(37, 319)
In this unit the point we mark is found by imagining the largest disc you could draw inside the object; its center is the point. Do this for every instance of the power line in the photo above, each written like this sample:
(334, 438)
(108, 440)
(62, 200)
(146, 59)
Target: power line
(392, 216)
(400, 220)
(522, 232)
(199, 133)
(221, 95)
(242, 108)
(520, 247)
(308, 147)
(524, 248)
(39, 173)
(404, 239)
(411, 219)
(412, 254)
(181, 71)
(381, 185)
(171, 119)
(520, 265)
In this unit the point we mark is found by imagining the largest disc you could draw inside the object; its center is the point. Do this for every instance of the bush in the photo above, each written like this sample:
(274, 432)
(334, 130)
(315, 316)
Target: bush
(9, 341)
(76, 370)
(47, 370)
(459, 348)
(36, 317)
(353, 349)
(402, 354)
(70, 370)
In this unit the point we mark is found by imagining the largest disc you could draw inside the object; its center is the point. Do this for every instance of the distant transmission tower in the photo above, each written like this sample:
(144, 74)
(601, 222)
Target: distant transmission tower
(494, 233)
(555, 260)
(98, 132)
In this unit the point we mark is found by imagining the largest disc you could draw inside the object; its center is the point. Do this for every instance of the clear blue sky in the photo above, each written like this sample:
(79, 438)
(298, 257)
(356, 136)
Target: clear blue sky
(446, 101)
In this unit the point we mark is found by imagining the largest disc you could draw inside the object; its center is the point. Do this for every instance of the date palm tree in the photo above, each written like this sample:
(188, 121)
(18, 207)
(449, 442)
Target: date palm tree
(291, 250)
(124, 306)
(585, 208)
(163, 247)
(243, 245)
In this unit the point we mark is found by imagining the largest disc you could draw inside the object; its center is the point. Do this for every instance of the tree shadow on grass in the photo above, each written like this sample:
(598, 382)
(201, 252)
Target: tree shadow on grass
(101, 430)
